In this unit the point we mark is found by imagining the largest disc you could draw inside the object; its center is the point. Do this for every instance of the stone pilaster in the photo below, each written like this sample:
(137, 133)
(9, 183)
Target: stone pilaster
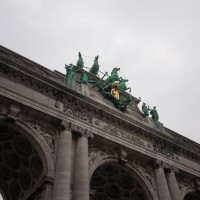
(161, 182)
(172, 183)
(81, 173)
(61, 188)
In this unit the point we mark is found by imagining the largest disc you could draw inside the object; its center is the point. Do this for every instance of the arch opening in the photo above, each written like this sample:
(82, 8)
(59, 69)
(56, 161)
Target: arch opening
(113, 181)
(21, 167)
(192, 196)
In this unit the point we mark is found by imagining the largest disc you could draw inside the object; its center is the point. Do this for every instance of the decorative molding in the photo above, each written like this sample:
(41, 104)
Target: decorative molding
(163, 150)
(157, 163)
(171, 168)
(145, 171)
(48, 135)
(77, 112)
(80, 131)
(13, 112)
(126, 135)
(65, 125)
(99, 151)
(185, 184)
(123, 155)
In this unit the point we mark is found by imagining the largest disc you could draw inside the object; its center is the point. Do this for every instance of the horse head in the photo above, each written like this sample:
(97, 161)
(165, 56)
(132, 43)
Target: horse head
(96, 58)
(115, 69)
(124, 80)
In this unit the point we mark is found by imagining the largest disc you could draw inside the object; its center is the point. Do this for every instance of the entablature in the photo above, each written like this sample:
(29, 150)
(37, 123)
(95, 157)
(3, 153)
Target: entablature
(131, 125)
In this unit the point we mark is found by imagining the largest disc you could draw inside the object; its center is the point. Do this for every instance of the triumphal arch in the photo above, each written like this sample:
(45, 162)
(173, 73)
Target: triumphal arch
(81, 136)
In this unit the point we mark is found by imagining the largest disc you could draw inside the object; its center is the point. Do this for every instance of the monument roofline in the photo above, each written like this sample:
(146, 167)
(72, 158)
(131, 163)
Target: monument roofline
(22, 68)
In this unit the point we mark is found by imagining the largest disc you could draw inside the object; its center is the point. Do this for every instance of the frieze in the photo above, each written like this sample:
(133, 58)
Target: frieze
(127, 135)
(77, 112)
(164, 151)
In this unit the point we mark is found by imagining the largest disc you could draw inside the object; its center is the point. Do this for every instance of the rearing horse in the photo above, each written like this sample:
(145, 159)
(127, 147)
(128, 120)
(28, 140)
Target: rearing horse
(122, 85)
(111, 79)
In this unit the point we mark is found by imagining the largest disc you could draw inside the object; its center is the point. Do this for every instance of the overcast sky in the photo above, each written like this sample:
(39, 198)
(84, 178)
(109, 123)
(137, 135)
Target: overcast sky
(155, 43)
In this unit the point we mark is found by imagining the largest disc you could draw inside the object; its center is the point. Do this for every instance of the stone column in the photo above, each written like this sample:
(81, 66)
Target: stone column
(61, 188)
(81, 173)
(172, 183)
(161, 182)
(47, 192)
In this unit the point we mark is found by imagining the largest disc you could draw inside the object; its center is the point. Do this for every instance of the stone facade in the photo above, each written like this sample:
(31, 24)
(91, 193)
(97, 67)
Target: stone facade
(64, 143)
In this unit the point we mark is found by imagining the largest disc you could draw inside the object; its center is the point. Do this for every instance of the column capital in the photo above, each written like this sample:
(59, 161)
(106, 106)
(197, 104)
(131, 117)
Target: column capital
(171, 169)
(158, 164)
(66, 125)
(82, 132)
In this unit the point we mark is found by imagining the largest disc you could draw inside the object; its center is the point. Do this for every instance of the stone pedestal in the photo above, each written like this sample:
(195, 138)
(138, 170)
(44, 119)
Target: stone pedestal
(172, 184)
(61, 188)
(70, 83)
(85, 90)
(161, 182)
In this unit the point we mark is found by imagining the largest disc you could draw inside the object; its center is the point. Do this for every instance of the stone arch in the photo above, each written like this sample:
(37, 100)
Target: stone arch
(2, 193)
(187, 191)
(40, 145)
(100, 161)
(26, 160)
(190, 194)
(112, 160)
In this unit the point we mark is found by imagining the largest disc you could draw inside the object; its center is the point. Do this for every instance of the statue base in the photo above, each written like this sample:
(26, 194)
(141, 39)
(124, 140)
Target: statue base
(71, 84)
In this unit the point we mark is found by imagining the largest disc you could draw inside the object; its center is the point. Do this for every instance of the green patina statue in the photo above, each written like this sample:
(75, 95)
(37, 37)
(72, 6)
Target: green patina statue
(145, 110)
(113, 88)
(154, 114)
(95, 67)
(84, 78)
(80, 62)
(111, 79)
(70, 72)
(122, 85)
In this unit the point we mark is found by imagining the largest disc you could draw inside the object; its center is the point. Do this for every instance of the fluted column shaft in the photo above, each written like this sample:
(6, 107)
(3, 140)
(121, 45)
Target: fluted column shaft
(61, 190)
(161, 182)
(81, 173)
(173, 185)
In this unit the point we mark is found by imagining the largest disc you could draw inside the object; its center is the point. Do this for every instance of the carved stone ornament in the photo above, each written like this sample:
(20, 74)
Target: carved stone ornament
(13, 112)
(123, 155)
(99, 151)
(185, 184)
(77, 112)
(57, 105)
(65, 125)
(48, 135)
(145, 171)
(157, 163)
(121, 133)
(197, 184)
(79, 131)
(165, 151)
